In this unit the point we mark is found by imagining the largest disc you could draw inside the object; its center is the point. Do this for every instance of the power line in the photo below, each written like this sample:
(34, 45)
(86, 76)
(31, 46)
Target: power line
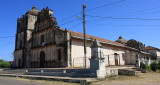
(69, 22)
(6, 54)
(72, 27)
(122, 18)
(105, 5)
(69, 17)
(144, 13)
(88, 10)
(6, 44)
(119, 5)
(7, 37)
(120, 25)
(140, 11)
(91, 9)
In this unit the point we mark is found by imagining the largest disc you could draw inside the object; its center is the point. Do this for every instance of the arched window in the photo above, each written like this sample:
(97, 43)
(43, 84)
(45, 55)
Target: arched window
(42, 40)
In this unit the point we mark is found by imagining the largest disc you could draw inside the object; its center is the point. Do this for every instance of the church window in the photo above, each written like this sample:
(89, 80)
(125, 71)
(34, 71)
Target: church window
(59, 54)
(21, 44)
(42, 40)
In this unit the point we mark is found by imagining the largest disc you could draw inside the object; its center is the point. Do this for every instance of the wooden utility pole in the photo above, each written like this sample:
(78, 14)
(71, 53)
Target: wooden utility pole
(84, 33)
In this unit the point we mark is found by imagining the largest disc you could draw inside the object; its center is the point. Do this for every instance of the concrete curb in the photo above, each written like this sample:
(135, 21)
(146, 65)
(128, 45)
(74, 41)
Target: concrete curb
(65, 79)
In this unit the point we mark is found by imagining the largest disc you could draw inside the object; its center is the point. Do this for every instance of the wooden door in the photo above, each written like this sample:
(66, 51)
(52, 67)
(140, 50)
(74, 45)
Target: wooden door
(116, 60)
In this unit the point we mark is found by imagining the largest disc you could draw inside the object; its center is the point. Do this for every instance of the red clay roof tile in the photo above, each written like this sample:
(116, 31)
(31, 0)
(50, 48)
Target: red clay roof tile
(78, 34)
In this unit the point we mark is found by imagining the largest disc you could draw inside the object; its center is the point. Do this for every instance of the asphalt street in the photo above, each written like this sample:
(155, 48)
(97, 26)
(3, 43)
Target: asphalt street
(19, 81)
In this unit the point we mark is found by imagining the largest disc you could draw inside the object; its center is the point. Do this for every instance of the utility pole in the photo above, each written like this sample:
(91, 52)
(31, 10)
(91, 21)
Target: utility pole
(84, 33)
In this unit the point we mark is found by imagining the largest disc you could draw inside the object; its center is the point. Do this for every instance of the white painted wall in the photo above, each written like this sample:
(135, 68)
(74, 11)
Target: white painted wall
(158, 54)
(108, 50)
(152, 51)
(77, 54)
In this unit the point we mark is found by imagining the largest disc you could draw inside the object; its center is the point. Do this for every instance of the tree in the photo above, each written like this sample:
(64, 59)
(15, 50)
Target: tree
(1, 60)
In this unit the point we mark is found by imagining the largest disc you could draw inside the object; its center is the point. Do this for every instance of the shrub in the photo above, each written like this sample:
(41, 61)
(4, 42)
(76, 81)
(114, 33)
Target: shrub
(147, 67)
(5, 65)
(158, 65)
(142, 65)
(153, 66)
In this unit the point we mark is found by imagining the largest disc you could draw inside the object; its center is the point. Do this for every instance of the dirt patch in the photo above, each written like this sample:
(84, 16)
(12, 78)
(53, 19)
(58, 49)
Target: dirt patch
(150, 78)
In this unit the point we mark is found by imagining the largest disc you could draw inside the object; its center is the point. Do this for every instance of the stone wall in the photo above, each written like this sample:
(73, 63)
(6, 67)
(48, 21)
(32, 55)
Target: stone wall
(18, 58)
(54, 43)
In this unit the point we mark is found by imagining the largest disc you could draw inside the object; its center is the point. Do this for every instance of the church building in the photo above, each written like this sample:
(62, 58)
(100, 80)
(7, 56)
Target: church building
(41, 43)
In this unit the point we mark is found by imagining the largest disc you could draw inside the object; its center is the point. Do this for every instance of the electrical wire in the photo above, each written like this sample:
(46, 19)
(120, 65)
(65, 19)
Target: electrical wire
(121, 18)
(132, 13)
(117, 6)
(72, 27)
(143, 13)
(7, 37)
(6, 44)
(69, 17)
(91, 9)
(69, 22)
(120, 25)
(105, 5)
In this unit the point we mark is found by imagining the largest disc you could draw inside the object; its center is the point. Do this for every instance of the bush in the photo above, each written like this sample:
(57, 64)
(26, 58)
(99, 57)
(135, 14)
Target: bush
(153, 66)
(158, 65)
(147, 67)
(5, 65)
(142, 65)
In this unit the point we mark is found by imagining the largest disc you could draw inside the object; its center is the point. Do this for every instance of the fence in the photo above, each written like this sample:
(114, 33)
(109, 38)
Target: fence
(120, 59)
(113, 59)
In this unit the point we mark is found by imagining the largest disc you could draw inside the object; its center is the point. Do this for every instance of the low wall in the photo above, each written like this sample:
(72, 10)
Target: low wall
(126, 72)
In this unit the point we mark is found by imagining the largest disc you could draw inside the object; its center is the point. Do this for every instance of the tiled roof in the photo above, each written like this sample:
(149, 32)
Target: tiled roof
(150, 48)
(78, 34)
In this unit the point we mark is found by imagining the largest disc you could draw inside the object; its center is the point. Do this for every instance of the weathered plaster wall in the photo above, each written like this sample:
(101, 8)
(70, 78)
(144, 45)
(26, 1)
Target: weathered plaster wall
(20, 40)
(130, 57)
(18, 58)
(50, 55)
(31, 21)
(54, 47)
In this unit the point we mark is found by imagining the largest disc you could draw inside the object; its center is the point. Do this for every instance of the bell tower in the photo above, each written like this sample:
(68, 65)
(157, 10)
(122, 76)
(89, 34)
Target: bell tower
(25, 27)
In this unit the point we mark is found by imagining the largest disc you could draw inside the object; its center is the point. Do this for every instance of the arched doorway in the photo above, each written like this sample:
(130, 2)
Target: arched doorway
(42, 59)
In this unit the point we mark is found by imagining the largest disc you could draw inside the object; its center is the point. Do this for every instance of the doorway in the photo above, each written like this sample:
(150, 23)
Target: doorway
(137, 62)
(116, 59)
(19, 63)
(42, 59)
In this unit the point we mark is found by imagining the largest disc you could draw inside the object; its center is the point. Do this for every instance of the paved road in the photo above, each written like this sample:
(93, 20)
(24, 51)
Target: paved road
(19, 81)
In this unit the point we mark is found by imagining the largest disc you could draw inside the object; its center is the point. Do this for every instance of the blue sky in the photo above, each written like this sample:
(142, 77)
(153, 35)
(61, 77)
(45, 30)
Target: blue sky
(145, 31)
